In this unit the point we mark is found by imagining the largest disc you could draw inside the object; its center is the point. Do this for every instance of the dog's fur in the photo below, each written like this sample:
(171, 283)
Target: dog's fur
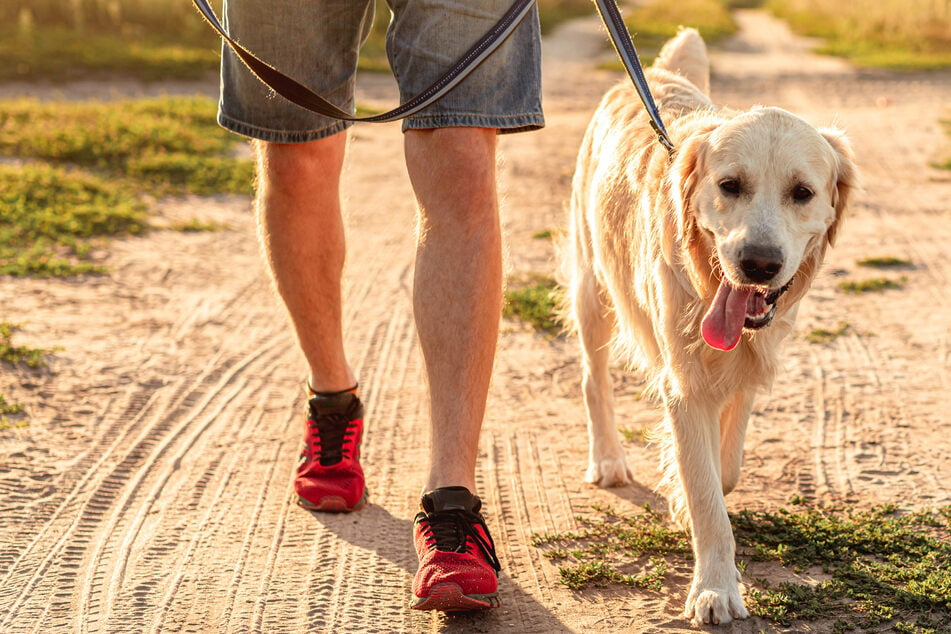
(651, 240)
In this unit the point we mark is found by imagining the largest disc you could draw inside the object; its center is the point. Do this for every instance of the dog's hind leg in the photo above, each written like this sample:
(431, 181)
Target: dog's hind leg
(733, 422)
(606, 463)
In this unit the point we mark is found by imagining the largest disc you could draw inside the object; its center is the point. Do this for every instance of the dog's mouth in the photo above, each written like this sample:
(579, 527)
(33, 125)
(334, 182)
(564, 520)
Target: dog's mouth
(735, 308)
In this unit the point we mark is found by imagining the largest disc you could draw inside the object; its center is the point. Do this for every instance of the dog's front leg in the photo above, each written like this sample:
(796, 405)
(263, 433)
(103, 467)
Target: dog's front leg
(714, 594)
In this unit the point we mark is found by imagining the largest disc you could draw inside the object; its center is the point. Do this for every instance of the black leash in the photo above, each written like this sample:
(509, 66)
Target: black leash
(621, 39)
(304, 97)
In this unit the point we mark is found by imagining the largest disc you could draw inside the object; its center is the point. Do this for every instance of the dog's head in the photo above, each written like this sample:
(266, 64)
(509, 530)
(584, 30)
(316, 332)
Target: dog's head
(761, 197)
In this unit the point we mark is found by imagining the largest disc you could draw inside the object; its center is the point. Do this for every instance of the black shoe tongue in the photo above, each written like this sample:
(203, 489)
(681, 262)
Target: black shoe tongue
(451, 499)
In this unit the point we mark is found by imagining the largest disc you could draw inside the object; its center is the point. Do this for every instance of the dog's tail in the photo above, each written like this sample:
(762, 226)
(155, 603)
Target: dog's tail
(686, 55)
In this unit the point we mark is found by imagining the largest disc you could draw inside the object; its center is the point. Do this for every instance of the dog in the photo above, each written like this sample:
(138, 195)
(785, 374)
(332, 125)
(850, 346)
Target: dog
(690, 267)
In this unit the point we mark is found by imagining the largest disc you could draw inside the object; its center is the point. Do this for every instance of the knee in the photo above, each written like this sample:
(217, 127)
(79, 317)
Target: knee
(453, 174)
(290, 166)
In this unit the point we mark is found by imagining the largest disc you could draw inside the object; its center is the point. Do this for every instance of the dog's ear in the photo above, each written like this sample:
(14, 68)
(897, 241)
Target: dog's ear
(685, 176)
(845, 177)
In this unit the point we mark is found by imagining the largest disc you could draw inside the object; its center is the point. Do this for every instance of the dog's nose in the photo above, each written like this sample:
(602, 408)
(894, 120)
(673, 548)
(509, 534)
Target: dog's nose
(760, 264)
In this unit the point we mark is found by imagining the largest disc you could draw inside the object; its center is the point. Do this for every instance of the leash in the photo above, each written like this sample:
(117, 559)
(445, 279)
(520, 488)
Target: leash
(621, 39)
(304, 97)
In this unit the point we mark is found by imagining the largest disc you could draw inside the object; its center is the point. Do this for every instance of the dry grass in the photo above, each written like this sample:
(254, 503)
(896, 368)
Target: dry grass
(898, 34)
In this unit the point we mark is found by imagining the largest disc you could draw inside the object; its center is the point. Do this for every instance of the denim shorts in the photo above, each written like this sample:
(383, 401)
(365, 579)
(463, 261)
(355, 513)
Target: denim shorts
(317, 43)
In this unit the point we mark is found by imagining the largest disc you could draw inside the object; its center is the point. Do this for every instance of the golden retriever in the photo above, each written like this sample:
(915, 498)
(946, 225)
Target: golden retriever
(691, 268)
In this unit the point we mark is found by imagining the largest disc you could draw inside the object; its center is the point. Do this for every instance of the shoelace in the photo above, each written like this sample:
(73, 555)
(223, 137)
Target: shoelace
(333, 430)
(450, 531)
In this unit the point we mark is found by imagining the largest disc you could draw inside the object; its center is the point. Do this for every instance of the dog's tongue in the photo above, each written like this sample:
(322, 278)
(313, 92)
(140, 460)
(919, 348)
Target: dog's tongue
(722, 326)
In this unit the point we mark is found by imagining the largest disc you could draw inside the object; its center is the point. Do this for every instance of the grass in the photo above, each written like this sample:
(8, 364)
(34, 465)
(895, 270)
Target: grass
(86, 165)
(535, 301)
(823, 335)
(54, 40)
(885, 262)
(544, 234)
(14, 355)
(195, 225)
(166, 144)
(50, 219)
(895, 34)
(873, 285)
(18, 355)
(60, 54)
(882, 568)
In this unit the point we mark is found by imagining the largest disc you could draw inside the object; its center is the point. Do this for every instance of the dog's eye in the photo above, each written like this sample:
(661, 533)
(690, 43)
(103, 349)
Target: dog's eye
(730, 186)
(801, 193)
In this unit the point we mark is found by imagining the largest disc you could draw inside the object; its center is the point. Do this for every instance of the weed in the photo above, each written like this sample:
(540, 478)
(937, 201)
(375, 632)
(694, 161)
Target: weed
(874, 285)
(885, 567)
(905, 35)
(885, 262)
(535, 302)
(11, 354)
(8, 409)
(545, 234)
(18, 355)
(49, 217)
(167, 144)
(194, 225)
(822, 335)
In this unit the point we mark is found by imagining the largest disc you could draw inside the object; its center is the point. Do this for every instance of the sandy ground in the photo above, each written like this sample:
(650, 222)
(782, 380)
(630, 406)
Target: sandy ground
(151, 490)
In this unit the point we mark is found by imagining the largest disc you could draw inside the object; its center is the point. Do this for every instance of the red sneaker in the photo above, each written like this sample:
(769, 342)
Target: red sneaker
(458, 569)
(329, 476)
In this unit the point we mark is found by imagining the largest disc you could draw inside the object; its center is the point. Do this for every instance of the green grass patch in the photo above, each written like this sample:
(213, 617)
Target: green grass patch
(874, 285)
(194, 225)
(823, 335)
(534, 301)
(545, 234)
(900, 35)
(60, 53)
(50, 218)
(884, 568)
(166, 144)
(18, 355)
(885, 262)
(15, 355)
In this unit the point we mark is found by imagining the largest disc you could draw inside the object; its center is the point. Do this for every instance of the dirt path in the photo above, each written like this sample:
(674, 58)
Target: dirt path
(152, 488)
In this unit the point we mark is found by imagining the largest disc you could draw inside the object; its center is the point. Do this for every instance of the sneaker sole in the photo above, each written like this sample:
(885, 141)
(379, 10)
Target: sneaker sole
(333, 504)
(448, 597)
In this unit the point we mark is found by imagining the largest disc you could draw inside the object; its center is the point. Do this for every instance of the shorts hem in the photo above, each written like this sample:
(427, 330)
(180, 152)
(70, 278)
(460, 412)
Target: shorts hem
(271, 135)
(504, 124)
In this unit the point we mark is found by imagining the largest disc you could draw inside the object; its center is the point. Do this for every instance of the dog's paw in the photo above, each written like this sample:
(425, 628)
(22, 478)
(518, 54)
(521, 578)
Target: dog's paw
(609, 472)
(715, 606)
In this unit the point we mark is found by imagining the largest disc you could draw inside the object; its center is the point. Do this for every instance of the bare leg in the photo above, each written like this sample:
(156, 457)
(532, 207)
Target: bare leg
(457, 289)
(301, 231)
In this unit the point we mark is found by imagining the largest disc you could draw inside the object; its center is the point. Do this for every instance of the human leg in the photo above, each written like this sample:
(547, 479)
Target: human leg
(302, 234)
(457, 288)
